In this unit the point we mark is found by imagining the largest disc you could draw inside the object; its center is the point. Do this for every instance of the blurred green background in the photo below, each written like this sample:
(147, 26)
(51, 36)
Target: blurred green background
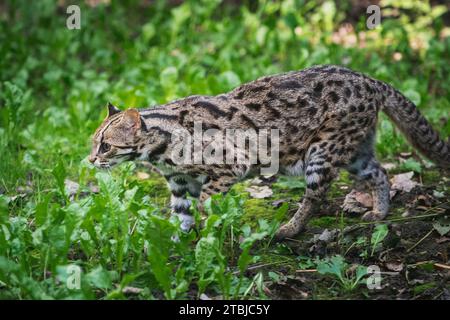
(55, 83)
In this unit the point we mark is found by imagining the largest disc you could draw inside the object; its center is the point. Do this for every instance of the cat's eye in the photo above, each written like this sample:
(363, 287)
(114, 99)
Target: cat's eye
(105, 147)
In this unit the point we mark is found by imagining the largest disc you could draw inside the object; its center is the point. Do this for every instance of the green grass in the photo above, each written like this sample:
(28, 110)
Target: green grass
(55, 83)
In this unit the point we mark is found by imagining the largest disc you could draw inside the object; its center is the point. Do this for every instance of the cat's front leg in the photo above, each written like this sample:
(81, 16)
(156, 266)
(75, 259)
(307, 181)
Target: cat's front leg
(319, 175)
(216, 184)
(201, 187)
(180, 187)
(180, 209)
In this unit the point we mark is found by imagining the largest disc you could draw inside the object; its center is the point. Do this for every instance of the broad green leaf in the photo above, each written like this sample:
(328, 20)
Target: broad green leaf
(100, 278)
(335, 266)
(442, 226)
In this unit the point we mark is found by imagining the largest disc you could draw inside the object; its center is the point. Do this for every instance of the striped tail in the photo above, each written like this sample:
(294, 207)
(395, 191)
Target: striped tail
(415, 127)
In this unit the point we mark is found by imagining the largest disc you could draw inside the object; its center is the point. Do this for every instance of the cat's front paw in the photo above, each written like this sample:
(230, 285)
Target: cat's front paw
(286, 231)
(187, 221)
(175, 238)
(373, 216)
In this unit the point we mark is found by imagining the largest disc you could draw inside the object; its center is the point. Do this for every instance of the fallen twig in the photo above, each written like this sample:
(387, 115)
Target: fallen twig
(435, 264)
(424, 215)
(442, 266)
(399, 219)
(420, 241)
(306, 270)
(390, 273)
(419, 263)
(262, 266)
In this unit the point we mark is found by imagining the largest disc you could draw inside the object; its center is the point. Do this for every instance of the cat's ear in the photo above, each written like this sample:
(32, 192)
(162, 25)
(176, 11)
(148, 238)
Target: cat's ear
(131, 119)
(112, 109)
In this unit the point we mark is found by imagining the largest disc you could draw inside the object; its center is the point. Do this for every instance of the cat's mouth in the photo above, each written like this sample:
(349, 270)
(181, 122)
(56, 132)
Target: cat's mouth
(106, 163)
(103, 164)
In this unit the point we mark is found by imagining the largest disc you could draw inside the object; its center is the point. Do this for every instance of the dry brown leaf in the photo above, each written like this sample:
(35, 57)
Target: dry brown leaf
(267, 291)
(142, 175)
(131, 290)
(405, 154)
(255, 182)
(326, 235)
(442, 240)
(259, 192)
(389, 166)
(357, 202)
(394, 266)
(403, 182)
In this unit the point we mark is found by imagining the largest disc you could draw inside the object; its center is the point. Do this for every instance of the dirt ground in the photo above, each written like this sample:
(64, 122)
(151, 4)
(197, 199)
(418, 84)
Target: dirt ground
(414, 257)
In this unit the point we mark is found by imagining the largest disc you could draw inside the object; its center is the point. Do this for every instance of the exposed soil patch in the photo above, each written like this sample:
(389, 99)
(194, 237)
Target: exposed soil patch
(414, 257)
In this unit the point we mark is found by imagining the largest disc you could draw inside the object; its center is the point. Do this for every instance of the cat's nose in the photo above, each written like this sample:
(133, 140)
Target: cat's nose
(92, 159)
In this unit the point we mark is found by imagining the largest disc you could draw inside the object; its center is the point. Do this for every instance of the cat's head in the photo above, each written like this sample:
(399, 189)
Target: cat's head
(117, 138)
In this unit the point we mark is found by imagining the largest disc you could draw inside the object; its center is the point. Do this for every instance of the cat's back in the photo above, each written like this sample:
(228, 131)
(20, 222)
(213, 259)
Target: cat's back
(309, 82)
(302, 99)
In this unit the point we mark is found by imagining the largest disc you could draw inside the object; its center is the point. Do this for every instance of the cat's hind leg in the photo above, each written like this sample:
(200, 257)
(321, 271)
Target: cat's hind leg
(369, 171)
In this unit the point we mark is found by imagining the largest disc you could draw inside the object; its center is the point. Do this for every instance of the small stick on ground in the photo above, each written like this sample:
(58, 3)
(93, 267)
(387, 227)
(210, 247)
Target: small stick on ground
(423, 238)
(420, 263)
(306, 271)
(262, 266)
(442, 266)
